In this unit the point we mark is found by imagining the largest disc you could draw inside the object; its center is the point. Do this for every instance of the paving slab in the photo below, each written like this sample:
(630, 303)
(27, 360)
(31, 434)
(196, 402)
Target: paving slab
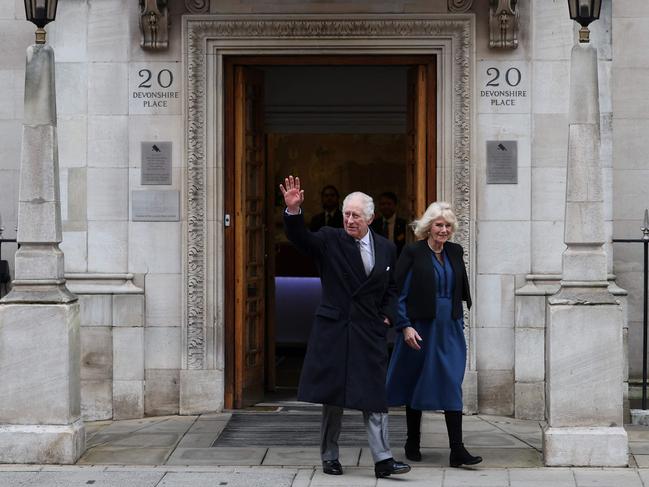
(508, 457)
(218, 456)
(641, 461)
(17, 479)
(492, 457)
(353, 477)
(131, 425)
(197, 440)
(417, 477)
(431, 440)
(172, 425)
(430, 457)
(105, 438)
(639, 447)
(84, 478)
(303, 477)
(148, 440)
(541, 477)
(644, 476)
(207, 426)
(607, 477)
(297, 456)
(118, 455)
(497, 439)
(216, 416)
(458, 477)
(245, 478)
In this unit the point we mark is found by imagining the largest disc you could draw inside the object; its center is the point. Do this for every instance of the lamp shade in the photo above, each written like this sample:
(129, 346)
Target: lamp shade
(40, 12)
(584, 11)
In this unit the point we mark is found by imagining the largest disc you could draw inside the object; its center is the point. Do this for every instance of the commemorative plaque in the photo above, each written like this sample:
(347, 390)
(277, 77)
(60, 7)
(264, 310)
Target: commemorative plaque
(502, 162)
(156, 163)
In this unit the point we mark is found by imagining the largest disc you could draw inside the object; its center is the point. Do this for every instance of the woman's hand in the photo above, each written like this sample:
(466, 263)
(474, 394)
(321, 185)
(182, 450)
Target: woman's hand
(411, 337)
(293, 195)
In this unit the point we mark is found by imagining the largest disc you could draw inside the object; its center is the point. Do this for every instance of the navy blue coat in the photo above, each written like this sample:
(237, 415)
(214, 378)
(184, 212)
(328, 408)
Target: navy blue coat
(346, 359)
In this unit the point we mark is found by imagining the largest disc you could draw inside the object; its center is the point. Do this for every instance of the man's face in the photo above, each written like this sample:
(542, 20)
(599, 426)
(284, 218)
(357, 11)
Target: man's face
(354, 221)
(387, 207)
(329, 199)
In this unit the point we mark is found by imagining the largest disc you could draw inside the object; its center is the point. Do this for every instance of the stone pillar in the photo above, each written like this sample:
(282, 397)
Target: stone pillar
(40, 419)
(584, 346)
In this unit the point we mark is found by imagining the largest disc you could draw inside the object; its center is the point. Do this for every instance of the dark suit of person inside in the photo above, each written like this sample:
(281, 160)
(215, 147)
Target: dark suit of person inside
(346, 359)
(331, 216)
(387, 223)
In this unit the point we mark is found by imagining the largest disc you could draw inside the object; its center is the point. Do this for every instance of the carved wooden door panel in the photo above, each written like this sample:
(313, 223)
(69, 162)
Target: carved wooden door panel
(250, 218)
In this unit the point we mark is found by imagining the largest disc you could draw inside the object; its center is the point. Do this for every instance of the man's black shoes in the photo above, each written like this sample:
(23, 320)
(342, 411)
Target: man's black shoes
(332, 467)
(388, 467)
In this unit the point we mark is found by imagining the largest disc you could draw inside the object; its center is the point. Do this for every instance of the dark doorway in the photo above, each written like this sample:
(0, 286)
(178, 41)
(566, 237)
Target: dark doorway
(352, 123)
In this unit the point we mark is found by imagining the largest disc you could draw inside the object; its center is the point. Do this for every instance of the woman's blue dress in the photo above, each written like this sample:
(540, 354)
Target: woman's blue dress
(430, 378)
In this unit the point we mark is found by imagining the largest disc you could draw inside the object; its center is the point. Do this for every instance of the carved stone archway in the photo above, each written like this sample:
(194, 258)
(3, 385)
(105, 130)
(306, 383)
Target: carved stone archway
(206, 40)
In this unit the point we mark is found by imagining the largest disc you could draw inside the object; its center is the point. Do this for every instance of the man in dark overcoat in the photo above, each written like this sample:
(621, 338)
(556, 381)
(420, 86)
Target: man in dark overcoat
(346, 358)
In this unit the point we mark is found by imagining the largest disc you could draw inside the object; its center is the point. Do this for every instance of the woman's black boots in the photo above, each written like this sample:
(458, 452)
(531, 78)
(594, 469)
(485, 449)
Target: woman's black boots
(413, 422)
(459, 455)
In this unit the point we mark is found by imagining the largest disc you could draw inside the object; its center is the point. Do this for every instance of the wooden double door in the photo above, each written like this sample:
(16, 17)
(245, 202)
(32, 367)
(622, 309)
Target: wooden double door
(249, 200)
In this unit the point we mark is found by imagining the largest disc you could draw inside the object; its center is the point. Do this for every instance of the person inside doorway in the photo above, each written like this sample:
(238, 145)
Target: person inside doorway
(388, 224)
(346, 357)
(331, 216)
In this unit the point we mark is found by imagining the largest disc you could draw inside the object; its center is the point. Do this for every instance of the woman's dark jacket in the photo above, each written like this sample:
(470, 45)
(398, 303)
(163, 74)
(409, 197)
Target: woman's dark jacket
(417, 258)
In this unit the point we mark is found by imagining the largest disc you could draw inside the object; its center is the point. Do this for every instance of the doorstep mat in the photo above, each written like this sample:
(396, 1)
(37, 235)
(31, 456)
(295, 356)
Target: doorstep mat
(293, 428)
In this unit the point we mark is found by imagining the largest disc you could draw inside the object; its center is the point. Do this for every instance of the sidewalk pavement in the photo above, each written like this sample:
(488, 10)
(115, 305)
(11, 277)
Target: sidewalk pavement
(176, 451)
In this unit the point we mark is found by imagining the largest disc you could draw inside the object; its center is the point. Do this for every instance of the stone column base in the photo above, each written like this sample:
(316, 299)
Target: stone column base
(201, 391)
(470, 392)
(42, 443)
(585, 447)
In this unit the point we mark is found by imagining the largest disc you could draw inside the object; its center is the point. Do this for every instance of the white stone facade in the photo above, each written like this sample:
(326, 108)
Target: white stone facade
(132, 277)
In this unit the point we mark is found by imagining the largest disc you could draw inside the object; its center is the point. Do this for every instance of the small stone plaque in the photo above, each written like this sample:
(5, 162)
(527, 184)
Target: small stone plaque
(155, 206)
(502, 162)
(156, 163)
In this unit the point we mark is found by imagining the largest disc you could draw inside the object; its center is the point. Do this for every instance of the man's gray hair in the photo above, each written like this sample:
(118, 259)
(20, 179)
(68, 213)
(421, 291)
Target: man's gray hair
(366, 201)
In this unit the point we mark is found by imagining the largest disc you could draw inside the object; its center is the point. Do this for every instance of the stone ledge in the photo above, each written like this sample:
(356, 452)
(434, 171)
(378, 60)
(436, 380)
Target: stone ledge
(102, 284)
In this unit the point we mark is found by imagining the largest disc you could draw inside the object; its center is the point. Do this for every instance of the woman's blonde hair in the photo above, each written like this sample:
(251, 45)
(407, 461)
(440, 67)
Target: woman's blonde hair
(421, 226)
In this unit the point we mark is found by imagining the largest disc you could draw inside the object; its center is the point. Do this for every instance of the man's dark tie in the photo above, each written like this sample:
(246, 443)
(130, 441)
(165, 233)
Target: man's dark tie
(385, 228)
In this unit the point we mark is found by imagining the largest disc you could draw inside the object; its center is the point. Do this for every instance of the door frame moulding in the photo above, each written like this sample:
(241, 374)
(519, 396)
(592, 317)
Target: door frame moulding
(206, 40)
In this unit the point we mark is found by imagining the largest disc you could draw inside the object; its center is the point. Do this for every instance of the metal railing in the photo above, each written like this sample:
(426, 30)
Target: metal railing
(645, 243)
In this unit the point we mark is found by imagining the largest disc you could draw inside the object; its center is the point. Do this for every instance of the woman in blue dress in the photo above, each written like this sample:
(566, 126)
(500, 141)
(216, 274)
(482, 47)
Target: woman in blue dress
(427, 366)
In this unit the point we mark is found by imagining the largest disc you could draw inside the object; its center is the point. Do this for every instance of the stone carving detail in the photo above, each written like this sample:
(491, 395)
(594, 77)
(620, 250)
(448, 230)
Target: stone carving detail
(459, 5)
(200, 30)
(503, 23)
(197, 6)
(154, 24)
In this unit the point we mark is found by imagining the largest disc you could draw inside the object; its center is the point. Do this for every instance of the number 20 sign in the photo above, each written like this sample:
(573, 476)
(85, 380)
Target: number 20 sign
(503, 87)
(154, 89)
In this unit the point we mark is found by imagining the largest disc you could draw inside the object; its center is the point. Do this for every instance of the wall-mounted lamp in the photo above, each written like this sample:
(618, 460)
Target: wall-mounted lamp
(41, 13)
(584, 12)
